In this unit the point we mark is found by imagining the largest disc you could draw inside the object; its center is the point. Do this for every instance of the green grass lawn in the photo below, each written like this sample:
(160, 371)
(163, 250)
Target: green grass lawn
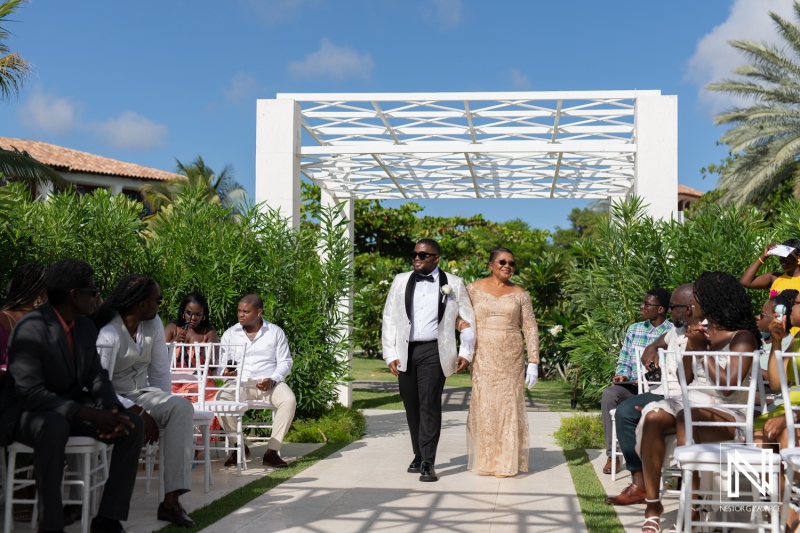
(557, 395)
(366, 369)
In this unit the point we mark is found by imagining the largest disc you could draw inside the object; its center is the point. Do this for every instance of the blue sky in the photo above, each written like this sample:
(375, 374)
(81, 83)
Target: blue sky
(148, 82)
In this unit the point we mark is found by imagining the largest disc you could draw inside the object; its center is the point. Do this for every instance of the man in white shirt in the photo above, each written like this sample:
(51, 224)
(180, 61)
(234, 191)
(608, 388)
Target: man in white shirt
(267, 363)
(128, 322)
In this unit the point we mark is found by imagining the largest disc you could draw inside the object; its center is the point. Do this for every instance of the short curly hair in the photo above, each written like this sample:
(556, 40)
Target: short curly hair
(662, 296)
(723, 300)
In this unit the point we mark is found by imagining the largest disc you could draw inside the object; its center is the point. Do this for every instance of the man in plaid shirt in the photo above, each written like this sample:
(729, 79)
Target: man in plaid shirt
(654, 312)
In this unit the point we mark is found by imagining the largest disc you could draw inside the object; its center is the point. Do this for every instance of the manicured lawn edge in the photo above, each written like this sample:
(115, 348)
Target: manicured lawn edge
(598, 515)
(219, 509)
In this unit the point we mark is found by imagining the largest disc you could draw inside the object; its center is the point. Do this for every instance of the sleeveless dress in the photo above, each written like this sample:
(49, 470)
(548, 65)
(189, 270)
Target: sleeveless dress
(497, 424)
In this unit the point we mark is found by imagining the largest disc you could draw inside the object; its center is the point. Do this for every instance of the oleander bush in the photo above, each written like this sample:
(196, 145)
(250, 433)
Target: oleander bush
(195, 245)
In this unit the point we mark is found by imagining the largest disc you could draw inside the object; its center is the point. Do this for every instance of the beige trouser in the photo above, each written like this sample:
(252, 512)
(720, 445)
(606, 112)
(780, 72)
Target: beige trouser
(280, 396)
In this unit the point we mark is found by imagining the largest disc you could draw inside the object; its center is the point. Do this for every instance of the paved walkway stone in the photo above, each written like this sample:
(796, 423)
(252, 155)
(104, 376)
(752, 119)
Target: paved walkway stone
(365, 487)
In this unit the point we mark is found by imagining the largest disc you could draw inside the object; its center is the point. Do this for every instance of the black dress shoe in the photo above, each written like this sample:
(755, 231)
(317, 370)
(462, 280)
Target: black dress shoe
(177, 515)
(72, 514)
(427, 473)
(413, 468)
(101, 524)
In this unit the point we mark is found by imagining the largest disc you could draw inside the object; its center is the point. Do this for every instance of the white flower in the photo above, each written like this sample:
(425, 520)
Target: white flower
(446, 290)
(555, 330)
(383, 282)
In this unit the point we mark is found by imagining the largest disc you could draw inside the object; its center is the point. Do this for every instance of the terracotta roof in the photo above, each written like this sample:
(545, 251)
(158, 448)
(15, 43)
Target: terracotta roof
(688, 191)
(68, 160)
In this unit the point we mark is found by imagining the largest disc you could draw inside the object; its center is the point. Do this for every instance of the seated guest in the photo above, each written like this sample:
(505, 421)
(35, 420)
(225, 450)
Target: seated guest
(786, 278)
(268, 363)
(731, 327)
(654, 312)
(629, 412)
(191, 327)
(63, 391)
(24, 293)
(764, 321)
(129, 323)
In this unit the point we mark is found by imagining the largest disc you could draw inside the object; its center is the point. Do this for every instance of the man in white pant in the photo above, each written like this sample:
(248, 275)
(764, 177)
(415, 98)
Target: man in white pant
(266, 365)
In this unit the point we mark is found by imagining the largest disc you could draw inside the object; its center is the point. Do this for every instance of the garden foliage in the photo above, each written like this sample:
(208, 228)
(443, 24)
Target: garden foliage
(194, 245)
(631, 253)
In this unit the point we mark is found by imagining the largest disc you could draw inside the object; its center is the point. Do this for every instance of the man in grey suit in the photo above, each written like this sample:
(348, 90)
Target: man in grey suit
(63, 391)
(419, 345)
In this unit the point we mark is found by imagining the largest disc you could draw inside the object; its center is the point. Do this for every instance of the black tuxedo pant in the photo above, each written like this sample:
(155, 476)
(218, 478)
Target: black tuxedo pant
(47, 433)
(421, 388)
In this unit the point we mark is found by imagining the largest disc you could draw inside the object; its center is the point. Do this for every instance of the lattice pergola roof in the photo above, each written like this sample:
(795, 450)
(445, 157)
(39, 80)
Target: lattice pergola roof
(470, 145)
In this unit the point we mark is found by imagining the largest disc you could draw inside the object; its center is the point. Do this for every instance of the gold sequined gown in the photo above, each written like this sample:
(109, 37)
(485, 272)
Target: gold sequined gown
(497, 424)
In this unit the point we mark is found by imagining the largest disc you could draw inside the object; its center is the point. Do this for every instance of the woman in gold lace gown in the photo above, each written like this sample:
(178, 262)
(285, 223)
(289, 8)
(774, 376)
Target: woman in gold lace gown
(497, 425)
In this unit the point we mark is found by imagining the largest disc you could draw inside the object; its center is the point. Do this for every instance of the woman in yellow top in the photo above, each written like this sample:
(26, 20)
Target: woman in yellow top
(778, 281)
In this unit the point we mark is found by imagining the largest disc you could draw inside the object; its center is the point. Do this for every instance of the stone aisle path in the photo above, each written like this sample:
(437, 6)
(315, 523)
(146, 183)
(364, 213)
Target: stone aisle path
(364, 487)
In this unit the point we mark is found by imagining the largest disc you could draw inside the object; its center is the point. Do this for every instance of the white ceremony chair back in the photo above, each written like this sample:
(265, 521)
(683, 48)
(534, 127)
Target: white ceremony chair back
(222, 357)
(187, 367)
(734, 392)
(616, 452)
(790, 391)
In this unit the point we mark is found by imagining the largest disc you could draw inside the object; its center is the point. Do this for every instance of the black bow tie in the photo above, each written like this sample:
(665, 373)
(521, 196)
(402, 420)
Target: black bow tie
(423, 277)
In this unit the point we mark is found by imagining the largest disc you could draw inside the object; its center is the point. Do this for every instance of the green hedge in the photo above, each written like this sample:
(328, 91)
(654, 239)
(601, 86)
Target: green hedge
(195, 245)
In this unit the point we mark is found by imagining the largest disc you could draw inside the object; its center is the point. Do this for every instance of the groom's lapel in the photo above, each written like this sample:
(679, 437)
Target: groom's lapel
(442, 301)
(412, 282)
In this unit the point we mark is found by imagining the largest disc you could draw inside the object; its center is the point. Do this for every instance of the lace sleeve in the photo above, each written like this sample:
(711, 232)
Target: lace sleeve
(529, 329)
(460, 320)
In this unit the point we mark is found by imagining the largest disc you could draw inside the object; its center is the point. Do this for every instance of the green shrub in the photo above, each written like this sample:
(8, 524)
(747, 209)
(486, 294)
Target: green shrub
(580, 431)
(338, 425)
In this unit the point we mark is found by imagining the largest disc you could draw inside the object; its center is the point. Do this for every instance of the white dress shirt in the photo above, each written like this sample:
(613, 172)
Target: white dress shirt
(158, 371)
(425, 315)
(267, 354)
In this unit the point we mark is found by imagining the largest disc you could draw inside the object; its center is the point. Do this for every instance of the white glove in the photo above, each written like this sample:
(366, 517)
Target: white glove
(468, 340)
(532, 375)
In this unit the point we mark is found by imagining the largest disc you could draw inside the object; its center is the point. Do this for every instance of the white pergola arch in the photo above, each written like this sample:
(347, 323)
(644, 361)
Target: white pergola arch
(573, 144)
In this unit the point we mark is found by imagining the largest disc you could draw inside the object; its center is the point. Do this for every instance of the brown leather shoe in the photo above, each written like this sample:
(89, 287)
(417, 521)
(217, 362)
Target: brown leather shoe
(177, 515)
(271, 458)
(231, 460)
(632, 494)
(607, 468)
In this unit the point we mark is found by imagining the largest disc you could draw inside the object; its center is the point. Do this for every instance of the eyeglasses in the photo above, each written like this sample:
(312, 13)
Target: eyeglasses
(93, 292)
(191, 315)
(503, 262)
(422, 255)
(672, 306)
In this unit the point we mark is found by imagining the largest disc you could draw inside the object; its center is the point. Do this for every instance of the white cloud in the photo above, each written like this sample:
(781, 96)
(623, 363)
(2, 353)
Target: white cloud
(445, 13)
(715, 59)
(242, 87)
(275, 11)
(48, 113)
(519, 80)
(335, 62)
(131, 131)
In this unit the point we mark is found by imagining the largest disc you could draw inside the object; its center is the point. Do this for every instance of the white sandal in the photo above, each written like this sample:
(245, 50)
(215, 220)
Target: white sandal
(652, 523)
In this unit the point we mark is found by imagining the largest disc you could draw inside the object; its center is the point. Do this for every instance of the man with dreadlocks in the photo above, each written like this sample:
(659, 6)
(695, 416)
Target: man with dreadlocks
(62, 390)
(25, 292)
(129, 323)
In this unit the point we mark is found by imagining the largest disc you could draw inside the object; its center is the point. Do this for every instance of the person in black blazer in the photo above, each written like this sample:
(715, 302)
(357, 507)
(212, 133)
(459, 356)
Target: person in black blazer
(62, 390)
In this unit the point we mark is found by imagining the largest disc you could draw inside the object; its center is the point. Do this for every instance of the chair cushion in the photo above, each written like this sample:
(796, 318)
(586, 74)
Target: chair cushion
(711, 453)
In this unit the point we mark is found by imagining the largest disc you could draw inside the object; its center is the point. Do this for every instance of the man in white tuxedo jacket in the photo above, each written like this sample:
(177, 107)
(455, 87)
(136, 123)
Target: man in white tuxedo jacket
(419, 345)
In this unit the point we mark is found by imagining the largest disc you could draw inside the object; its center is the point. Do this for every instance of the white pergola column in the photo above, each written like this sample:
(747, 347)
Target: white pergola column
(115, 188)
(278, 156)
(656, 166)
(346, 305)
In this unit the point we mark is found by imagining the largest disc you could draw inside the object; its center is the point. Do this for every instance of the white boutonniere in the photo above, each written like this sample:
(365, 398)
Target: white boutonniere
(446, 291)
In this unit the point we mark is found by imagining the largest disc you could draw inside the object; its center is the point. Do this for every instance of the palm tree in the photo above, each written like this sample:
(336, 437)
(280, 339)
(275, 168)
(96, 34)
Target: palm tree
(764, 137)
(16, 165)
(220, 188)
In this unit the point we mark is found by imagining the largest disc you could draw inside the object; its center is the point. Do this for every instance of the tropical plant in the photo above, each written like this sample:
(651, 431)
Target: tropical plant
(219, 188)
(13, 67)
(765, 135)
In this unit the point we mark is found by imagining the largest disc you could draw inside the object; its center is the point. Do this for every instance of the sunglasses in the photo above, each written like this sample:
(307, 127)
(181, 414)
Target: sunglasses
(93, 292)
(673, 306)
(422, 255)
(503, 262)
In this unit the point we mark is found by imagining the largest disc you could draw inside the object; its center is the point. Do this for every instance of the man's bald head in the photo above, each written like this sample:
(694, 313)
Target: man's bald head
(679, 304)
